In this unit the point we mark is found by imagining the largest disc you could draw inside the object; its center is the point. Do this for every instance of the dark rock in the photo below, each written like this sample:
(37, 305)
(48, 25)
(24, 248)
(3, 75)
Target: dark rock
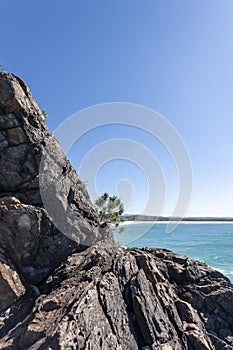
(90, 301)
(64, 281)
(33, 243)
(11, 286)
(32, 166)
(31, 240)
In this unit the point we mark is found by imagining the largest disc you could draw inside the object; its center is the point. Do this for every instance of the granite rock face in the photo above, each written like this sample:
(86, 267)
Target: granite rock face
(64, 281)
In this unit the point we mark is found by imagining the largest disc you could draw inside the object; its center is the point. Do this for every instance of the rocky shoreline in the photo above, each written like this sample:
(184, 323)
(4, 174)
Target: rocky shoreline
(65, 283)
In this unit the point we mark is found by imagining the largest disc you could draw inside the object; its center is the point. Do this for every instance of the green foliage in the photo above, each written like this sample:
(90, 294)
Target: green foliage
(110, 208)
(1, 67)
(45, 114)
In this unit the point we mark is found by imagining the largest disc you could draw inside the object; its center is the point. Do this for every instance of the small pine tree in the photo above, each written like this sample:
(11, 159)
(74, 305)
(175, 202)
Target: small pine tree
(110, 209)
(45, 114)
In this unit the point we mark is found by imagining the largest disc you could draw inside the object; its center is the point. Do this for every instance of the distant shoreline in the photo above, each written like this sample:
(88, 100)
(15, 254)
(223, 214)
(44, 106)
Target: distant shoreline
(137, 222)
(158, 219)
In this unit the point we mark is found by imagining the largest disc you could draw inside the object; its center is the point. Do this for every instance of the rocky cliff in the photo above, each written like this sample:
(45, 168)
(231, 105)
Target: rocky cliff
(64, 281)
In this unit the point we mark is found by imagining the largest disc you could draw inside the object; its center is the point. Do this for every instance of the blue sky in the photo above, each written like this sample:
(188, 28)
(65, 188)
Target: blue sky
(174, 57)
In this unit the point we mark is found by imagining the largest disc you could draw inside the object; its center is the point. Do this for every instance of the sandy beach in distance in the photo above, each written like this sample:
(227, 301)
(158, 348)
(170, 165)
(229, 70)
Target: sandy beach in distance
(174, 222)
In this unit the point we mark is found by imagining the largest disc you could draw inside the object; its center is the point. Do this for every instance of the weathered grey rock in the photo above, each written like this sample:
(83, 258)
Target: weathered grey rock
(64, 281)
(11, 286)
(35, 170)
(31, 240)
(37, 236)
(204, 290)
(94, 300)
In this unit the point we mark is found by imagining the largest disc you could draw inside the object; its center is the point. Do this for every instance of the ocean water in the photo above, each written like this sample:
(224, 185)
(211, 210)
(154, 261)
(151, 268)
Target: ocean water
(211, 243)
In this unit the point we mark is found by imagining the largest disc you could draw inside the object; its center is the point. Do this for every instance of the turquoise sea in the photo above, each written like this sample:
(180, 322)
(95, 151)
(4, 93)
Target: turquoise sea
(211, 243)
